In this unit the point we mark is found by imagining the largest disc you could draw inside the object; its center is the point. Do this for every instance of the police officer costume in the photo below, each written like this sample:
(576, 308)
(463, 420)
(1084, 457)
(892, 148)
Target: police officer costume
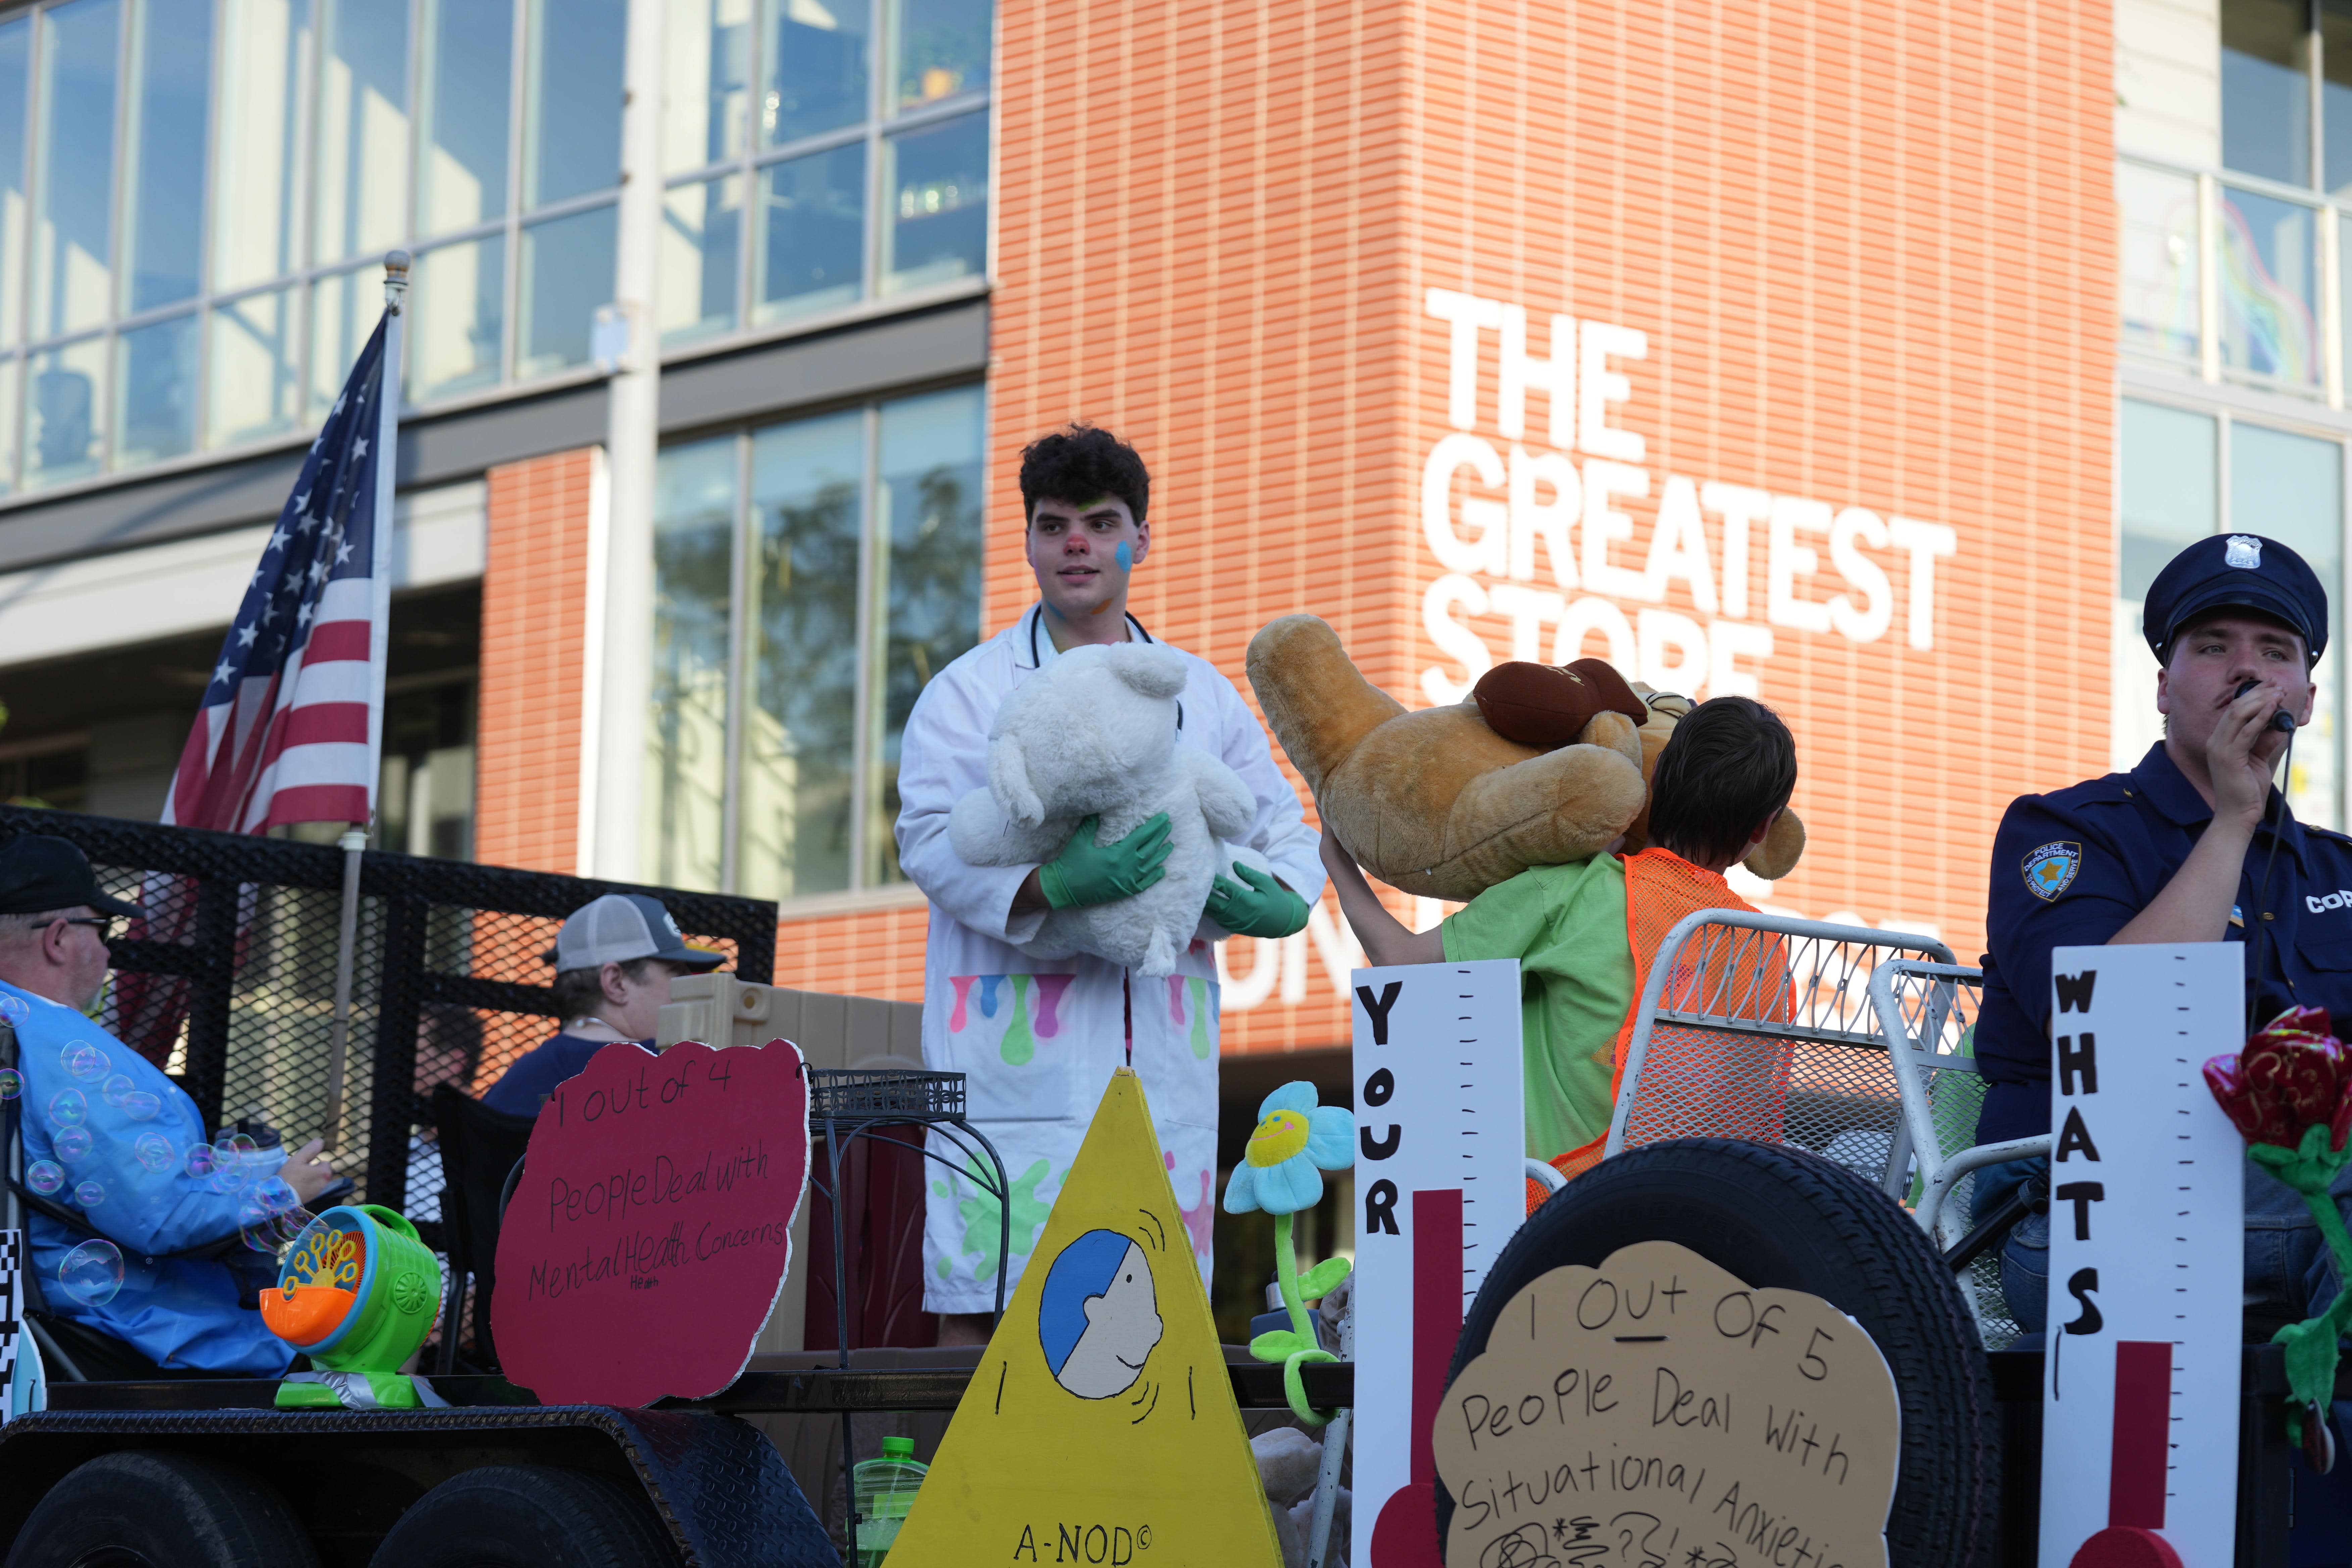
(2075, 867)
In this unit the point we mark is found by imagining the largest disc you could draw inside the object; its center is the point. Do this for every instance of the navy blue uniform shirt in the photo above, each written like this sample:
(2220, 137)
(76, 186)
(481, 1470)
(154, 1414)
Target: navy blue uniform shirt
(2071, 869)
(525, 1086)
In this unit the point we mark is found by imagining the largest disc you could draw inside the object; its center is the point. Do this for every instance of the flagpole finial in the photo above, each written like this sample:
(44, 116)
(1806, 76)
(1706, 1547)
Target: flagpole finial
(396, 279)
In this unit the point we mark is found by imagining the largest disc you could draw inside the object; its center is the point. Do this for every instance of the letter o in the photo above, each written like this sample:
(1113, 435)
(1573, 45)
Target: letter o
(1589, 1323)
(1745, 1300)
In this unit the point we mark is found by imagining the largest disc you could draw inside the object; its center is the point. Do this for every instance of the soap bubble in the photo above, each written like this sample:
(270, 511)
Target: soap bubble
(141, 1106)
(45, 1176)
(155, 1152)
(12, 1083)
(92, 1272)
(235, 1148)
(68, 1108)
(84, 1061)
(13, 1008)
(271, 1232)
(276, 1197)
(90, 1194)
(115, 1087)
(72, 1144)
(202, 1161)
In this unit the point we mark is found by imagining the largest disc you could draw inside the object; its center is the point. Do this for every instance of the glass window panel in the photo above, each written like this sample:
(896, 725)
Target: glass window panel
(155, 382)
(811, 234)
(572, 140)
(686, 766)
(73, 231)
(702, 226)
(935, 184)
(928, 496)
(63, 432)
(2291, 488)
(343, 311)
(257, 175)
(2269, 285)
(800, 733)
(814, 71)
(567, 272)
(2266, 89)
(170, 92)
(8, 427)
(2160, 261)
(469, 75)
(939, 48)
(2335, 94)
(15, 60)
(459, 304)
(362, 179)
(708, 109)
(253, 386)
(2170, 492)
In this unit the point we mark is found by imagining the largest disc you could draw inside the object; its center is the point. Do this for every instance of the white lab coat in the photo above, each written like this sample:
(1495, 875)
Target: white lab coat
(1039, 1038)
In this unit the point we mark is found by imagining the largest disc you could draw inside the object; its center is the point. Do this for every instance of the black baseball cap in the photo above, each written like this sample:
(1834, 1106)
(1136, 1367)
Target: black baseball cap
(39, 873)
(2236, 572)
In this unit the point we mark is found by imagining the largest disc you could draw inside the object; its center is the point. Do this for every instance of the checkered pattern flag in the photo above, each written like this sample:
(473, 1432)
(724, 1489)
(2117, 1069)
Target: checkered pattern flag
(12, 1308)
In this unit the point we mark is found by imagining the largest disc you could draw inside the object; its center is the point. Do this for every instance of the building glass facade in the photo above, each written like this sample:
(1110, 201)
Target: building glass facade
(196, 197)
(810, 576)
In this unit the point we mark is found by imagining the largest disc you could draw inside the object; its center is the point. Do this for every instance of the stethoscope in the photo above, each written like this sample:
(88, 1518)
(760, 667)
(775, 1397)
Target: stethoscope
(1037, 662)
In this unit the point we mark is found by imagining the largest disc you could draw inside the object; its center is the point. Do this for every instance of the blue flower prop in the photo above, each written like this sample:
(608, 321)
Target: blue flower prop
(1295, 1141)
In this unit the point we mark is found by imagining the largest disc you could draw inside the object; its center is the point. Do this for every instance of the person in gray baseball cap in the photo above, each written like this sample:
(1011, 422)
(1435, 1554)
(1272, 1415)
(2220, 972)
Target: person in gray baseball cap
(614, 960)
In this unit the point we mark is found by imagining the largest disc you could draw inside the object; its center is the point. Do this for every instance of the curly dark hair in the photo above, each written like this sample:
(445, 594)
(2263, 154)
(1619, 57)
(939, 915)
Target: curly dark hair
(1727, 767)
(1080, 463)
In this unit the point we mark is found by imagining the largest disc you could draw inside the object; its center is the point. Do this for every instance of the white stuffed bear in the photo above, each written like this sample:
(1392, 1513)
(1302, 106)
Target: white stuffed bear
(1093, 734)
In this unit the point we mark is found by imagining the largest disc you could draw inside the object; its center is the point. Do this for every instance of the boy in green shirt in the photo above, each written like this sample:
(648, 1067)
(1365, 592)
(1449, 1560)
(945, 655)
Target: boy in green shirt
(1584, 933)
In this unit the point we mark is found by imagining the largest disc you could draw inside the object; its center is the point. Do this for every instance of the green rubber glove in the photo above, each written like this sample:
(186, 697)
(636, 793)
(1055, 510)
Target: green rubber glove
(1087, 872)
(1264, 908)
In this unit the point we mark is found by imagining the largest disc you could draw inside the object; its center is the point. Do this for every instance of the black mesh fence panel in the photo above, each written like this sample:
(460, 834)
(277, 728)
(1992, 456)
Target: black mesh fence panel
(228, 984)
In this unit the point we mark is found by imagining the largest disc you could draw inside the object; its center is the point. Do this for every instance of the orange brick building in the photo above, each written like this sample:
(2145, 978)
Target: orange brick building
(1762, 347)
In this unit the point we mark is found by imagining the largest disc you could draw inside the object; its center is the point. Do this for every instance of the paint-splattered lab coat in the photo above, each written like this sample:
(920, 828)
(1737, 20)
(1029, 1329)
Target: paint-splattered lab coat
(1039, 1038)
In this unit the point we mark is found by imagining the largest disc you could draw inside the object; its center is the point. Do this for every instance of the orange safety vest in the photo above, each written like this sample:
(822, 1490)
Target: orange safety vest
(1721, 1086)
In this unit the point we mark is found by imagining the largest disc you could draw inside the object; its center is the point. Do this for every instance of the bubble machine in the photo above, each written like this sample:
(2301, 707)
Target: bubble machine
(357, 1293)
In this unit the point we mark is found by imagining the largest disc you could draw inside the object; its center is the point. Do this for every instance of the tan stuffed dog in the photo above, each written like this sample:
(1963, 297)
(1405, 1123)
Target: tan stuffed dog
(1435, 802)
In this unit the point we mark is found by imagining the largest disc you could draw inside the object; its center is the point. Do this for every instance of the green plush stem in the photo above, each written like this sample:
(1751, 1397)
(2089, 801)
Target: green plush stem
(1285, 1276)
(2312, 1345)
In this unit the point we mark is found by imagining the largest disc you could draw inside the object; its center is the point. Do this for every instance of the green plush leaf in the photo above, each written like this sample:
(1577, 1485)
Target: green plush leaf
(1323, 1279)
(1279, 1344)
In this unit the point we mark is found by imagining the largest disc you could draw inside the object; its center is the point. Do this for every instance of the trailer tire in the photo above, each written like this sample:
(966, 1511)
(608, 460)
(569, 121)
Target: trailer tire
(1780, 1217)
(529, 1516)
(148, 1510)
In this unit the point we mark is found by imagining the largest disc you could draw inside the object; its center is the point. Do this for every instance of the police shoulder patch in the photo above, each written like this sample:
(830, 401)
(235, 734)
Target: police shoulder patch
(2050, 870)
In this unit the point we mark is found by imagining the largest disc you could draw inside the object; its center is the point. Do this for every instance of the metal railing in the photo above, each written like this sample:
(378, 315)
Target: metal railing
(227, 985)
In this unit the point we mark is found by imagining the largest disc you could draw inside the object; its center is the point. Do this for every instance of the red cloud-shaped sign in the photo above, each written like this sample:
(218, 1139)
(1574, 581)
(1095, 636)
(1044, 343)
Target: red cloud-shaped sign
(650, 1234)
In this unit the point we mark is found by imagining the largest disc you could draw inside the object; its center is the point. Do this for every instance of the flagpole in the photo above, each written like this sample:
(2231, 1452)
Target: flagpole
(353, 843)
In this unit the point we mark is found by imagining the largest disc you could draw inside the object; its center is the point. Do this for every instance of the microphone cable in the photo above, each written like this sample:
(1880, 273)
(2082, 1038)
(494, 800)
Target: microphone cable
(2262, 890)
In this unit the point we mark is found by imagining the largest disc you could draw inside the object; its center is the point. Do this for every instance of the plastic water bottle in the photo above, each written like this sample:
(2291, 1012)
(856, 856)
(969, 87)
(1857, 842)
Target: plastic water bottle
(885, 1491)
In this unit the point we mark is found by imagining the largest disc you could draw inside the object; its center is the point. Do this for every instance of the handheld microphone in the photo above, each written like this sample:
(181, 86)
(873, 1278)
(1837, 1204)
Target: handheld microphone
(2281, 721)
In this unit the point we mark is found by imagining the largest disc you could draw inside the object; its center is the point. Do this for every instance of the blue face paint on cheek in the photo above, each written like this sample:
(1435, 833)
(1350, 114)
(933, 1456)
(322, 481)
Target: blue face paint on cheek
(1126, 557)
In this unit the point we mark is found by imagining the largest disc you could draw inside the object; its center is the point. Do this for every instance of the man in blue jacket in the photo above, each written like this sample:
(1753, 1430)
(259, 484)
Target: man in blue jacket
(2194, 844)
(109, 1139)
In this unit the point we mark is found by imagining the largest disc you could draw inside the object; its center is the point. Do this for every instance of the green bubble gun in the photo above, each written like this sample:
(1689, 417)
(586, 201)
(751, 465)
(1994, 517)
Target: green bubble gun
(357, 1293)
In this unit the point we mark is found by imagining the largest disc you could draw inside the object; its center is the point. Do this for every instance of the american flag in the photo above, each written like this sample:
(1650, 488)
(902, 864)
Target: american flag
(293, 717)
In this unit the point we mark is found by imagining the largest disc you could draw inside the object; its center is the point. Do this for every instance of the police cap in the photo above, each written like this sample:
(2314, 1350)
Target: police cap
(2236, 572)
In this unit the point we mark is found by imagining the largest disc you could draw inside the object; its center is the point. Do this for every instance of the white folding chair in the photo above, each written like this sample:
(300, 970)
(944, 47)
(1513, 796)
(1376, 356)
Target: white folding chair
(1761, 1027)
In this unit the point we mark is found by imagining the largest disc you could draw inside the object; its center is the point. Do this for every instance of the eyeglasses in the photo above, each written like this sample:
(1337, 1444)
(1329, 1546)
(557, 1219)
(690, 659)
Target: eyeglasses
(103, 924)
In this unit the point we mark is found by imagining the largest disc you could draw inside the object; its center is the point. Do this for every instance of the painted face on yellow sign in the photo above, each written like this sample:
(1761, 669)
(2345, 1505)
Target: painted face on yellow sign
(1099, 1318)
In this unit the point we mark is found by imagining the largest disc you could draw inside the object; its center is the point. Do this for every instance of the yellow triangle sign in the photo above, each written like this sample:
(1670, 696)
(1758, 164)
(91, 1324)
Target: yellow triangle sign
(1101, 1427)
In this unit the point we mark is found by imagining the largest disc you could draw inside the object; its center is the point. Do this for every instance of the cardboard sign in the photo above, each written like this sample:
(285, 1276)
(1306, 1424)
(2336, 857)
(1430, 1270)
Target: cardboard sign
(1440, 1185)
(1100, 1427)
(1655, 1410)
(2146, 1249)
(651, 1230)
